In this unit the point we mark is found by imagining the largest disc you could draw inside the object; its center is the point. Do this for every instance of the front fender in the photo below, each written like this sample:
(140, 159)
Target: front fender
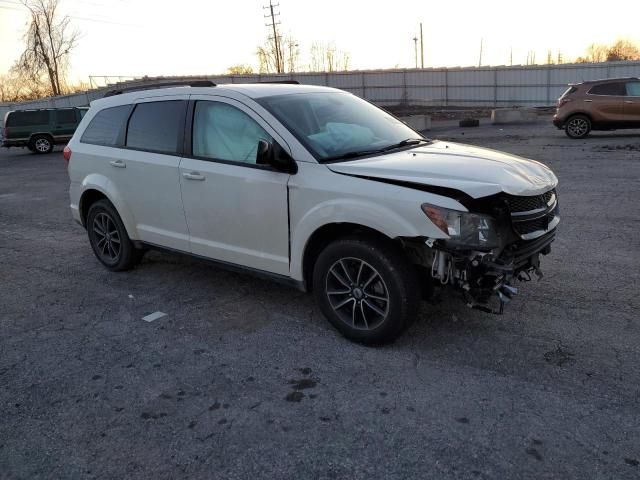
(105, 186)
(360, 212)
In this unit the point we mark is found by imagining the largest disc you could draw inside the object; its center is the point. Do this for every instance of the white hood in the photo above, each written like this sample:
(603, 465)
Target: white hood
(478, 172)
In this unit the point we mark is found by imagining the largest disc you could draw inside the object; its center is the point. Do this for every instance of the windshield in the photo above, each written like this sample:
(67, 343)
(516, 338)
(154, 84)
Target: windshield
(336, 125)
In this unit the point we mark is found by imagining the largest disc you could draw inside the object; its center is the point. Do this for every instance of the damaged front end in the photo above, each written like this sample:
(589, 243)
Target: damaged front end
(490, 249)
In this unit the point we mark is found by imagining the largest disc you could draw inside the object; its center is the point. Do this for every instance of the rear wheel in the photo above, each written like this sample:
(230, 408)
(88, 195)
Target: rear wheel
(41, 144)
(366, 289)
(578, 126)
(109, 239)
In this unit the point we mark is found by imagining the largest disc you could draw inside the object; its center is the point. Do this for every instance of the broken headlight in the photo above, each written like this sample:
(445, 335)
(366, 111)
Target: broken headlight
(464, 229)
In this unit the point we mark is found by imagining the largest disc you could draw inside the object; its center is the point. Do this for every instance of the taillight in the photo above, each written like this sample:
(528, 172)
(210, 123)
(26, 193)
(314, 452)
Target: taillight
(66, 153)
(562, 101)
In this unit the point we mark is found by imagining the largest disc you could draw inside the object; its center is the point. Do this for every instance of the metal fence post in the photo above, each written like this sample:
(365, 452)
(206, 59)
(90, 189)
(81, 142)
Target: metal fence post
(446, 87)
(495, 87)
(548, 84)
(364, 87)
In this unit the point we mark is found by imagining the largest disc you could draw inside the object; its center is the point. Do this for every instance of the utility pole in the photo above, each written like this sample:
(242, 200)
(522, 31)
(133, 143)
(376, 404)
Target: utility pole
(511, 57)
(415, 45)
(421, 47)
(480, 59)
(276, 38)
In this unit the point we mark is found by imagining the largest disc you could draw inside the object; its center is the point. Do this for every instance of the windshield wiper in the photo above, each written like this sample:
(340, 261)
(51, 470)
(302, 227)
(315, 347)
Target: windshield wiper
(361, 153)
(405, 143)
(354, 154)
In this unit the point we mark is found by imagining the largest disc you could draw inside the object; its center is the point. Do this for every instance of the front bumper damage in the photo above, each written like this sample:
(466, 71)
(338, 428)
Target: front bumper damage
(487, 281)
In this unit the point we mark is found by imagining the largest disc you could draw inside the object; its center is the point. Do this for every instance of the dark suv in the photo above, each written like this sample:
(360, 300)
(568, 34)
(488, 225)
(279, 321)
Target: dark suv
(40, 130)
(599, 105)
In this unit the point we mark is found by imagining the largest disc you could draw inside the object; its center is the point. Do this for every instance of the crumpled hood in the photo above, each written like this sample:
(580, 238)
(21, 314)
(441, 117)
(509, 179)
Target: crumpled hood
(476, 171)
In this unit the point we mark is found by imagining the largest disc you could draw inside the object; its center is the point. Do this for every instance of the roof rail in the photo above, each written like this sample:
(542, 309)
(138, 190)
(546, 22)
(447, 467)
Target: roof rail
(286, 82)
(135, 88)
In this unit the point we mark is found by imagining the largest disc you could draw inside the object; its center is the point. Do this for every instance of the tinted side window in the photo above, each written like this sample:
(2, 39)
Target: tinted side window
(633, 89)
(223, 132)
(156, 126)
(106, 126)
(27, 119)
(66, 116)
(608, 89)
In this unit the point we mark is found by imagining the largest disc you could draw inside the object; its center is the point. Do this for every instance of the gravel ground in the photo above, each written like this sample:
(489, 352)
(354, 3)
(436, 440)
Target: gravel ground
(245, 379)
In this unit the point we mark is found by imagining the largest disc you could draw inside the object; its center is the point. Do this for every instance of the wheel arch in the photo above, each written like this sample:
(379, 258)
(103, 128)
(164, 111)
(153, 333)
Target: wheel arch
(331, 232)
(42, 134)
(94, 191)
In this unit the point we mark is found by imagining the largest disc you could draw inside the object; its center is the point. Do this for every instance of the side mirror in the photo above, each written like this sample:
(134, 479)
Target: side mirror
(275, 156)
(265, 153)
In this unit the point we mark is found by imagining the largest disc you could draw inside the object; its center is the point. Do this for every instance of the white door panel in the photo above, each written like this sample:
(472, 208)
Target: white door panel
(151, 183)
(237, 214)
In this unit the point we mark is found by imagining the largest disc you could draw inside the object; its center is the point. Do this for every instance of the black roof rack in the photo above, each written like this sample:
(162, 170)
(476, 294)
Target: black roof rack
(612, 79)
(135, 88)
(286, 82)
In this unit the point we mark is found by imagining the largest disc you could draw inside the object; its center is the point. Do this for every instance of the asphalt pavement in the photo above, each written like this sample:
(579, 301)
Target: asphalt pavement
(244, 378)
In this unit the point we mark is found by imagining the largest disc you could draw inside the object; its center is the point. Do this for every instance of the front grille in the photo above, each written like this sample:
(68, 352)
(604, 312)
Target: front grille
(526, 204)
(532, 215)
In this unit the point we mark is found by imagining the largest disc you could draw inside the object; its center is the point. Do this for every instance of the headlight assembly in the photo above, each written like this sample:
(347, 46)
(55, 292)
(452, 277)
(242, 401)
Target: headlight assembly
(464, 229)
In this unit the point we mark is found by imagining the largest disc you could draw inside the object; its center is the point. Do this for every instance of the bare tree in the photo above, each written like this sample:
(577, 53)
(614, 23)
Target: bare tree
(327, 58)
(286, 58)
(597, 52)
(49, 41)
(240, 69)
(623, 50)
(268, 58)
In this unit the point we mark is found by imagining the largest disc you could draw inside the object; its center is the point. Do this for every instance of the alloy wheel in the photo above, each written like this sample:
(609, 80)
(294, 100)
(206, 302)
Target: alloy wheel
(578, 127)
(42, 145)
(357, 293)
(107, 238)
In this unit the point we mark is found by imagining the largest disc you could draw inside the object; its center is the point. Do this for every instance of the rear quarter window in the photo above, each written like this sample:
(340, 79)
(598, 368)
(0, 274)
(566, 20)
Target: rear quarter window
(610, 89)
(28, 119)
(106, 127)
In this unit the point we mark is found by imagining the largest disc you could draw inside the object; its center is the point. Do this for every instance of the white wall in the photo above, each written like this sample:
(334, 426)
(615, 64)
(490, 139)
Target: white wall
(537, 85)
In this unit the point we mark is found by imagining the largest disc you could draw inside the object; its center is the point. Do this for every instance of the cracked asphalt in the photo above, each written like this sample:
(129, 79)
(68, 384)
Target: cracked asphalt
(244, 378)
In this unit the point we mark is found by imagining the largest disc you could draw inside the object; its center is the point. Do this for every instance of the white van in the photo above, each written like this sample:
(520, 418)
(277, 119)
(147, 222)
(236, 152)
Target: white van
(314, 187)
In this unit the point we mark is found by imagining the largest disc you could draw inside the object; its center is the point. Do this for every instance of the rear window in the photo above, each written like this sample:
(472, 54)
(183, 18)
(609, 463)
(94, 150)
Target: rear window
(66, 116)
(28, 119)
(156, 126)
(106, 126)
(614, 89)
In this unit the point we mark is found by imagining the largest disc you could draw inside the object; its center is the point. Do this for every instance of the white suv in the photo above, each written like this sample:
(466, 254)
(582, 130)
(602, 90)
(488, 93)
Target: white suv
(311, 186)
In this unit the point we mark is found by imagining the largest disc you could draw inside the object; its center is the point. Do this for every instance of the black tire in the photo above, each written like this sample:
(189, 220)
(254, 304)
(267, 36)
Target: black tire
(360, 318)
(115, 249)
(41, 144)
(577, 126)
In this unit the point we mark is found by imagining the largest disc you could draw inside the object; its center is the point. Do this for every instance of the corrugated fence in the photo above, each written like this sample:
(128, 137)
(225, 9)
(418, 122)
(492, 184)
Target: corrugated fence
(517, 86)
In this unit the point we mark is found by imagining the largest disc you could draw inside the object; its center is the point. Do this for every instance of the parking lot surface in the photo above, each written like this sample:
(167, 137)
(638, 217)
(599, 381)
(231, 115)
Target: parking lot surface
(244, 378)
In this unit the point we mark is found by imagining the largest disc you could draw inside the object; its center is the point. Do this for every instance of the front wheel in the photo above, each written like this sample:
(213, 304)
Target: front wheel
(578, 126)
(367, 289)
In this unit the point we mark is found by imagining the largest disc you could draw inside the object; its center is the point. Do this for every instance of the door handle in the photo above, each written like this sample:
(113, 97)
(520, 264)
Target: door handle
(589, 101)
(118, 164)
(193, 176)
(628, 101)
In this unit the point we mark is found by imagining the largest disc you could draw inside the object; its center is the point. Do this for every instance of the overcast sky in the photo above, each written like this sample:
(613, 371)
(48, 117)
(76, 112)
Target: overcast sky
(154, 37)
